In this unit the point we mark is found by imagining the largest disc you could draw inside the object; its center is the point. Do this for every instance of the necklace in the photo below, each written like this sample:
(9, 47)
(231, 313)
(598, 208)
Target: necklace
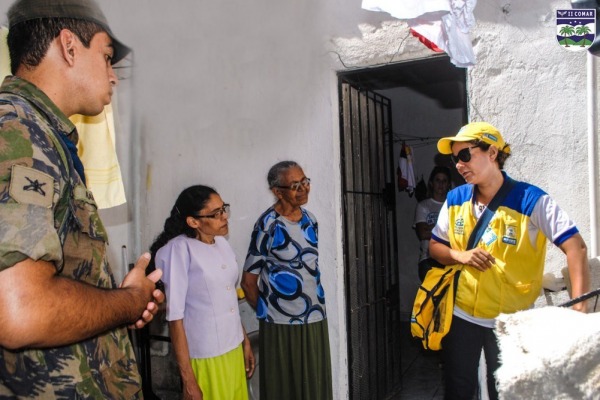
(292, 213)
(289, 214)
(481, 207)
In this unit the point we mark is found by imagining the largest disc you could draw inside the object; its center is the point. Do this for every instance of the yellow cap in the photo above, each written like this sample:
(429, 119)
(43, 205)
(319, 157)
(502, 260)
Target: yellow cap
(474, 131)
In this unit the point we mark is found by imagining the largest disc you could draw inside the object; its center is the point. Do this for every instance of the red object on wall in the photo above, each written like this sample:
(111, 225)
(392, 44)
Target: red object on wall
(426, 41)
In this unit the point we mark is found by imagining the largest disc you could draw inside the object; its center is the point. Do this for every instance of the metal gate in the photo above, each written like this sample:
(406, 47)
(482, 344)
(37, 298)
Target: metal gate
(371, 270)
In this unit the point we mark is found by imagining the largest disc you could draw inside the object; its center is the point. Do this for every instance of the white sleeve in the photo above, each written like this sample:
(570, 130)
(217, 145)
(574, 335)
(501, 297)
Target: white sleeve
(440, 230)
(420, 213)
(173, 259)
(552, 220)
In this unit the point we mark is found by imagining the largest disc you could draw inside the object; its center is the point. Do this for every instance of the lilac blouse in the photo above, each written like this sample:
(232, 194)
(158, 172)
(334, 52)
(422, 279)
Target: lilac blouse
(200, 281)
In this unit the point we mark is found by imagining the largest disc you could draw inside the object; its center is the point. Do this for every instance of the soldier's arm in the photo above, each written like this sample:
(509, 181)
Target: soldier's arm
(39, 308)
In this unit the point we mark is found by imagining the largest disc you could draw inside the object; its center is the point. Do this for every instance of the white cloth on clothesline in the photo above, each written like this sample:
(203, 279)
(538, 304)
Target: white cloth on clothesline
(444, 22)
(406, 169)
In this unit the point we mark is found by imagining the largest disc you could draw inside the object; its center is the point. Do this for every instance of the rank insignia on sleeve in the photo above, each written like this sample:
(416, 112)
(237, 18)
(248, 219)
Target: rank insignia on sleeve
(30, 186)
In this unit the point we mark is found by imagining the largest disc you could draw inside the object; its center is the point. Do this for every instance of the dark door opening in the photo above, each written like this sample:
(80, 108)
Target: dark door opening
(381, 108)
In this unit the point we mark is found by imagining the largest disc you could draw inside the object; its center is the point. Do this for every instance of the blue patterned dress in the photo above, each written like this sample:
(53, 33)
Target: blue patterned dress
(294, 343)
(285, 255)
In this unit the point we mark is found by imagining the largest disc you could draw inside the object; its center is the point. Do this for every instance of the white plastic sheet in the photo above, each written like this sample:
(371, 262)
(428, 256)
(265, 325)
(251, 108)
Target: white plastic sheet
(444, 22)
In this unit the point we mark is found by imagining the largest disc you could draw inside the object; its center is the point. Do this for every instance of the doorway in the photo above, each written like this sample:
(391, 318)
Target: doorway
(381, 109)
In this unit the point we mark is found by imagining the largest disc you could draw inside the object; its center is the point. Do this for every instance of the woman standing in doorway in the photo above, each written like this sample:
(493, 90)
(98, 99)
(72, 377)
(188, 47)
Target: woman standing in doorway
(289, 299)
(200, 274)
(427, 212)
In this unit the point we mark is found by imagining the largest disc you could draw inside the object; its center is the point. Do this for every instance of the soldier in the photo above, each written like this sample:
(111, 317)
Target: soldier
(63, 318)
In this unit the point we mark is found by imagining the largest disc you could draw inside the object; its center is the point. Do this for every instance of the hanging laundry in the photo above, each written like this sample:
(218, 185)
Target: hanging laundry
(4, 56)
(425, 41)
(102, 170)
(421, 190)
(445, 23)
(405, 170)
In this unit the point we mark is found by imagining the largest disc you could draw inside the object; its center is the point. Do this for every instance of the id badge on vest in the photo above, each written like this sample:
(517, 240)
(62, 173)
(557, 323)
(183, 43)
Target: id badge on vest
(488, 236)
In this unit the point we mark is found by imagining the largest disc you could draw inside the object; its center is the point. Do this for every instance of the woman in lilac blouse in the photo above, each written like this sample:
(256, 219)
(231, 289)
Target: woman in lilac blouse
(200, 274)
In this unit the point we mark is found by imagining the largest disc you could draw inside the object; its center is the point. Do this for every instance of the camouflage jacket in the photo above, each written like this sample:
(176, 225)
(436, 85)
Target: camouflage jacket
(47, 213)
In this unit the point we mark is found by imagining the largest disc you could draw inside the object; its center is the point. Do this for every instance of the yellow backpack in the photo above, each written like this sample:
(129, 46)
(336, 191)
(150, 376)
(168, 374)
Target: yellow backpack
(434, 305)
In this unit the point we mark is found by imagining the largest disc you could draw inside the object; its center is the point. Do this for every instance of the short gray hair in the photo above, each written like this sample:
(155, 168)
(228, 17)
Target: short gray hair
(274, 175)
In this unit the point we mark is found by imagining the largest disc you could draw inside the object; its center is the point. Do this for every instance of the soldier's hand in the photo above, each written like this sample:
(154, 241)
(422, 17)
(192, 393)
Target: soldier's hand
(144, 288)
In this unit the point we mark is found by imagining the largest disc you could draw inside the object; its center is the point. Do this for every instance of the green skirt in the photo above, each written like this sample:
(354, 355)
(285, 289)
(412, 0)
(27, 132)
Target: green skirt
(222, 377)
(295, 362)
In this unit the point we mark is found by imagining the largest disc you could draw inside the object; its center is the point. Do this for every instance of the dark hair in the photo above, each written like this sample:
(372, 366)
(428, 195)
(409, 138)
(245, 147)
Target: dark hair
(502, 156)
(438, 169)
(28, 41)
(189, 202)
(274, 175)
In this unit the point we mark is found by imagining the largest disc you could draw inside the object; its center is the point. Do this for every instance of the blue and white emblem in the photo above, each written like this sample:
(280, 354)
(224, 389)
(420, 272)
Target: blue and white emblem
(575, 29)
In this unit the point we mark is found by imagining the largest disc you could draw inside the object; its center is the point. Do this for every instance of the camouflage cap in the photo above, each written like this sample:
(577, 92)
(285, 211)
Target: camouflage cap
(25, 10)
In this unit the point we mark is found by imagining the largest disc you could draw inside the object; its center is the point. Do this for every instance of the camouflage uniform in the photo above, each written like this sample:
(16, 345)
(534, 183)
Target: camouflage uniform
(47, 213)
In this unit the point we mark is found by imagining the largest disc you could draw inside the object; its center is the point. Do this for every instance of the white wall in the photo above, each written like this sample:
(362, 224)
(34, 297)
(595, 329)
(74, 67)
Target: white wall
(523, 84)
(223, 90)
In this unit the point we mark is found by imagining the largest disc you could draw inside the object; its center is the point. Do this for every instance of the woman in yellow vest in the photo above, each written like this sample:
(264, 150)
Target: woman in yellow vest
(503, 272)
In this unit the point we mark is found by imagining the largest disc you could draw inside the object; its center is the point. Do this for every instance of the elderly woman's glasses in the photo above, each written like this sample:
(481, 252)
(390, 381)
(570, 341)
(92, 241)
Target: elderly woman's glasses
(295, 186)
(464, 155)
(217, 214)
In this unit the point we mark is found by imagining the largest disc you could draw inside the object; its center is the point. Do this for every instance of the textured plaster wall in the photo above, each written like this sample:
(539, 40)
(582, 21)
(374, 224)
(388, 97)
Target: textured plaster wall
(535, 92)
(220, 91)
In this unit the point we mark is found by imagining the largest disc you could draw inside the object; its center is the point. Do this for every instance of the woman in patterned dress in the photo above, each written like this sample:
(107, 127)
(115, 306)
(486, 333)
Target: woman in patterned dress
(282, 281)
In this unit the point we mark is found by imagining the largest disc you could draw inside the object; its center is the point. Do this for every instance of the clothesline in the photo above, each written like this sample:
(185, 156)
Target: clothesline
(416, 141)
(423, 144)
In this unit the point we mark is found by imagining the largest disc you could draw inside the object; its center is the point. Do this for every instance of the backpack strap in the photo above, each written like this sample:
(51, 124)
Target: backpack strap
(489, 212)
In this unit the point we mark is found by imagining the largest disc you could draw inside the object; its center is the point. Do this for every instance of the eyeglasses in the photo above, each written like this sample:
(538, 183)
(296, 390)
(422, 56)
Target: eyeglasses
(217, 214)
(464, 155)
(295, 186)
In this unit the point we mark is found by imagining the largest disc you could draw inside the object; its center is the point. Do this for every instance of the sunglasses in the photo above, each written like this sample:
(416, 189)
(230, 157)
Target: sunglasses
(464, 155)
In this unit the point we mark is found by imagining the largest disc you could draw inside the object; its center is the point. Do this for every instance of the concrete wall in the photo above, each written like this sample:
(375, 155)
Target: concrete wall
(220, 91)
(522, 84)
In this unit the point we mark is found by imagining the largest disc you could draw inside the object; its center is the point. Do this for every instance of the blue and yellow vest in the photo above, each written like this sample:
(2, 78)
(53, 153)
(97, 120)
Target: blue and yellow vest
(515, 280)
